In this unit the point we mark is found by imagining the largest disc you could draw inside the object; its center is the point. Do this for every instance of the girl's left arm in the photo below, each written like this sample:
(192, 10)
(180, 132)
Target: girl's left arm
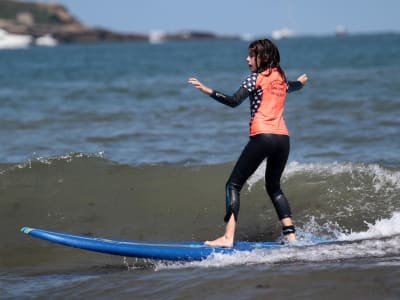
(297, 85)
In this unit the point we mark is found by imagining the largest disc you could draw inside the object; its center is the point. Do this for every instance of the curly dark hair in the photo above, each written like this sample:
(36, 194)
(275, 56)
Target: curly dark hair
(267, 56)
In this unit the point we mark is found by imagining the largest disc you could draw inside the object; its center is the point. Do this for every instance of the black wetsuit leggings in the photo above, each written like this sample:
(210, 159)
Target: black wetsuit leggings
(276, 149)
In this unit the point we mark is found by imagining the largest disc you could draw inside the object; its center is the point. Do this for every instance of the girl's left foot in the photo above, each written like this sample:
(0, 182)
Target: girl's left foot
(291, 238)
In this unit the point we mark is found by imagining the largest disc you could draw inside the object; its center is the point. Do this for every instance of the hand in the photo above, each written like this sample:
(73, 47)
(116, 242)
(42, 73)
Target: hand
(197, 84)
(303, 79)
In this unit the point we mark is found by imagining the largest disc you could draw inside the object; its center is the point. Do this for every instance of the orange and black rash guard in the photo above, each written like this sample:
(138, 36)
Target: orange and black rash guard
(267, 94)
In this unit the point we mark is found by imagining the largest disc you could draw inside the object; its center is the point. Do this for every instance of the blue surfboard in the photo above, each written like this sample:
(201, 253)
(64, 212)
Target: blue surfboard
(176, 251)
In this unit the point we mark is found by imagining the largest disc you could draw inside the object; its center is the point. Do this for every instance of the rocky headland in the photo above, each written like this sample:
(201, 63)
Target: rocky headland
(38, 19)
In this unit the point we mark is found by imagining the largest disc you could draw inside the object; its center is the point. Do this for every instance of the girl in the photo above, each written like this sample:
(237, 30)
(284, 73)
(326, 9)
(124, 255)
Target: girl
(266, 88)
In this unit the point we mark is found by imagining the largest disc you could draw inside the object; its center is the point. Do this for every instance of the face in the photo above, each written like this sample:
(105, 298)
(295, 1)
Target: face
(252, 62)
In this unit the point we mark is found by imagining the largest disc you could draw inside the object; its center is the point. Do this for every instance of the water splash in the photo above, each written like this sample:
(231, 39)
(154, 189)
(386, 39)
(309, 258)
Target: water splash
(382, 228)
(382, 239)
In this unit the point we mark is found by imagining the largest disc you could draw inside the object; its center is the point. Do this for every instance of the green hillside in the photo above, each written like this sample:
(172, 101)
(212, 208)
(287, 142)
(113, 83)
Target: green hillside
(41, 13)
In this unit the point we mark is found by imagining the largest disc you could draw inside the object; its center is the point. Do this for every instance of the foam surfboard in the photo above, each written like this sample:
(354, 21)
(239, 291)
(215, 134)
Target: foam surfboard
(176, 251)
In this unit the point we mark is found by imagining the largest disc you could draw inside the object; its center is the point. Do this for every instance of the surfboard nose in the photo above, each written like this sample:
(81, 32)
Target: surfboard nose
(26, 230)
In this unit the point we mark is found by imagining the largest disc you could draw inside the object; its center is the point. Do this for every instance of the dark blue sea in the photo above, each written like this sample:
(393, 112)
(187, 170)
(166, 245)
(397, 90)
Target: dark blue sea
(110, 140)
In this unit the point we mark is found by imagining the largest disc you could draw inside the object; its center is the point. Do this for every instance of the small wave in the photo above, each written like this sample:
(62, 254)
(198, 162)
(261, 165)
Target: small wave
(81, 192)
(381, 240)
(40, 160)
(345, 193)
(380, 177)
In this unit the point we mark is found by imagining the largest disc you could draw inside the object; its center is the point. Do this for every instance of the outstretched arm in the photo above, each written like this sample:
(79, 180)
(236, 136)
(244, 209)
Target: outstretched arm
(232, 101)
(297, 85)
(200, 86)
(303, 79)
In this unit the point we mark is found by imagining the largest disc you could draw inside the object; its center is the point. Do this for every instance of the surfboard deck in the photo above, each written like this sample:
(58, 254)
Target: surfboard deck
(175, 251)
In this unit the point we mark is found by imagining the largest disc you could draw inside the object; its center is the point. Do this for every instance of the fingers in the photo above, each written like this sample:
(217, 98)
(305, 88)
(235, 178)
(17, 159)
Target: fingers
(194, 81)
(303, 79)
(200, 86)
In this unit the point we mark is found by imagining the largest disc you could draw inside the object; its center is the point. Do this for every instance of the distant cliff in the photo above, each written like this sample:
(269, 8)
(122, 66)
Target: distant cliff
(38, 19)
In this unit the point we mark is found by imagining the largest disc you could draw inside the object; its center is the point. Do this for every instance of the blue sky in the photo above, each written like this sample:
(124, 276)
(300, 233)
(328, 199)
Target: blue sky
(256, 17)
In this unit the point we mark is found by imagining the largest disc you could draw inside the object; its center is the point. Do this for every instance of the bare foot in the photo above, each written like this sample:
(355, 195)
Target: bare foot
(291, 238)
(223, 241)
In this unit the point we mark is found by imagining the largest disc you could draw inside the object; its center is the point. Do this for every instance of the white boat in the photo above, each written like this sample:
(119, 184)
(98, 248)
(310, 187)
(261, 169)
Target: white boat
(157, 37)
(282, 33)
(14, 41)
(341, 30)
(46, 40)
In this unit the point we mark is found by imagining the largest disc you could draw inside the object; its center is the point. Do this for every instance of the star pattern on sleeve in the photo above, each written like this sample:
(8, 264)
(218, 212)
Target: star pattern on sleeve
(255, 93)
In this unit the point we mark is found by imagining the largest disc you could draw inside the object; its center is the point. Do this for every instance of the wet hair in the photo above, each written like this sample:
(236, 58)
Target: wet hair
(267, 56)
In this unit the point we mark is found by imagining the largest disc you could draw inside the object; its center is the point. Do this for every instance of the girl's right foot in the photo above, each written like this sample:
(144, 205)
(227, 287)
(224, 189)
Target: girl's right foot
(223, 241)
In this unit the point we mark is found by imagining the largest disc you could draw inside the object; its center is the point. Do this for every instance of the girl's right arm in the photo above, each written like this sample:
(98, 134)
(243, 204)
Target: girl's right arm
(232, 101)
(197, 84)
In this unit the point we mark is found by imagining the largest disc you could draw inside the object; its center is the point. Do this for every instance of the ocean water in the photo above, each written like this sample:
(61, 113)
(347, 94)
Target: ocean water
(109, 140)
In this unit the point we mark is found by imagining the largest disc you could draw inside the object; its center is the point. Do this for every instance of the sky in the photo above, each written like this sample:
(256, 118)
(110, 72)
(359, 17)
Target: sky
(234, 17)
